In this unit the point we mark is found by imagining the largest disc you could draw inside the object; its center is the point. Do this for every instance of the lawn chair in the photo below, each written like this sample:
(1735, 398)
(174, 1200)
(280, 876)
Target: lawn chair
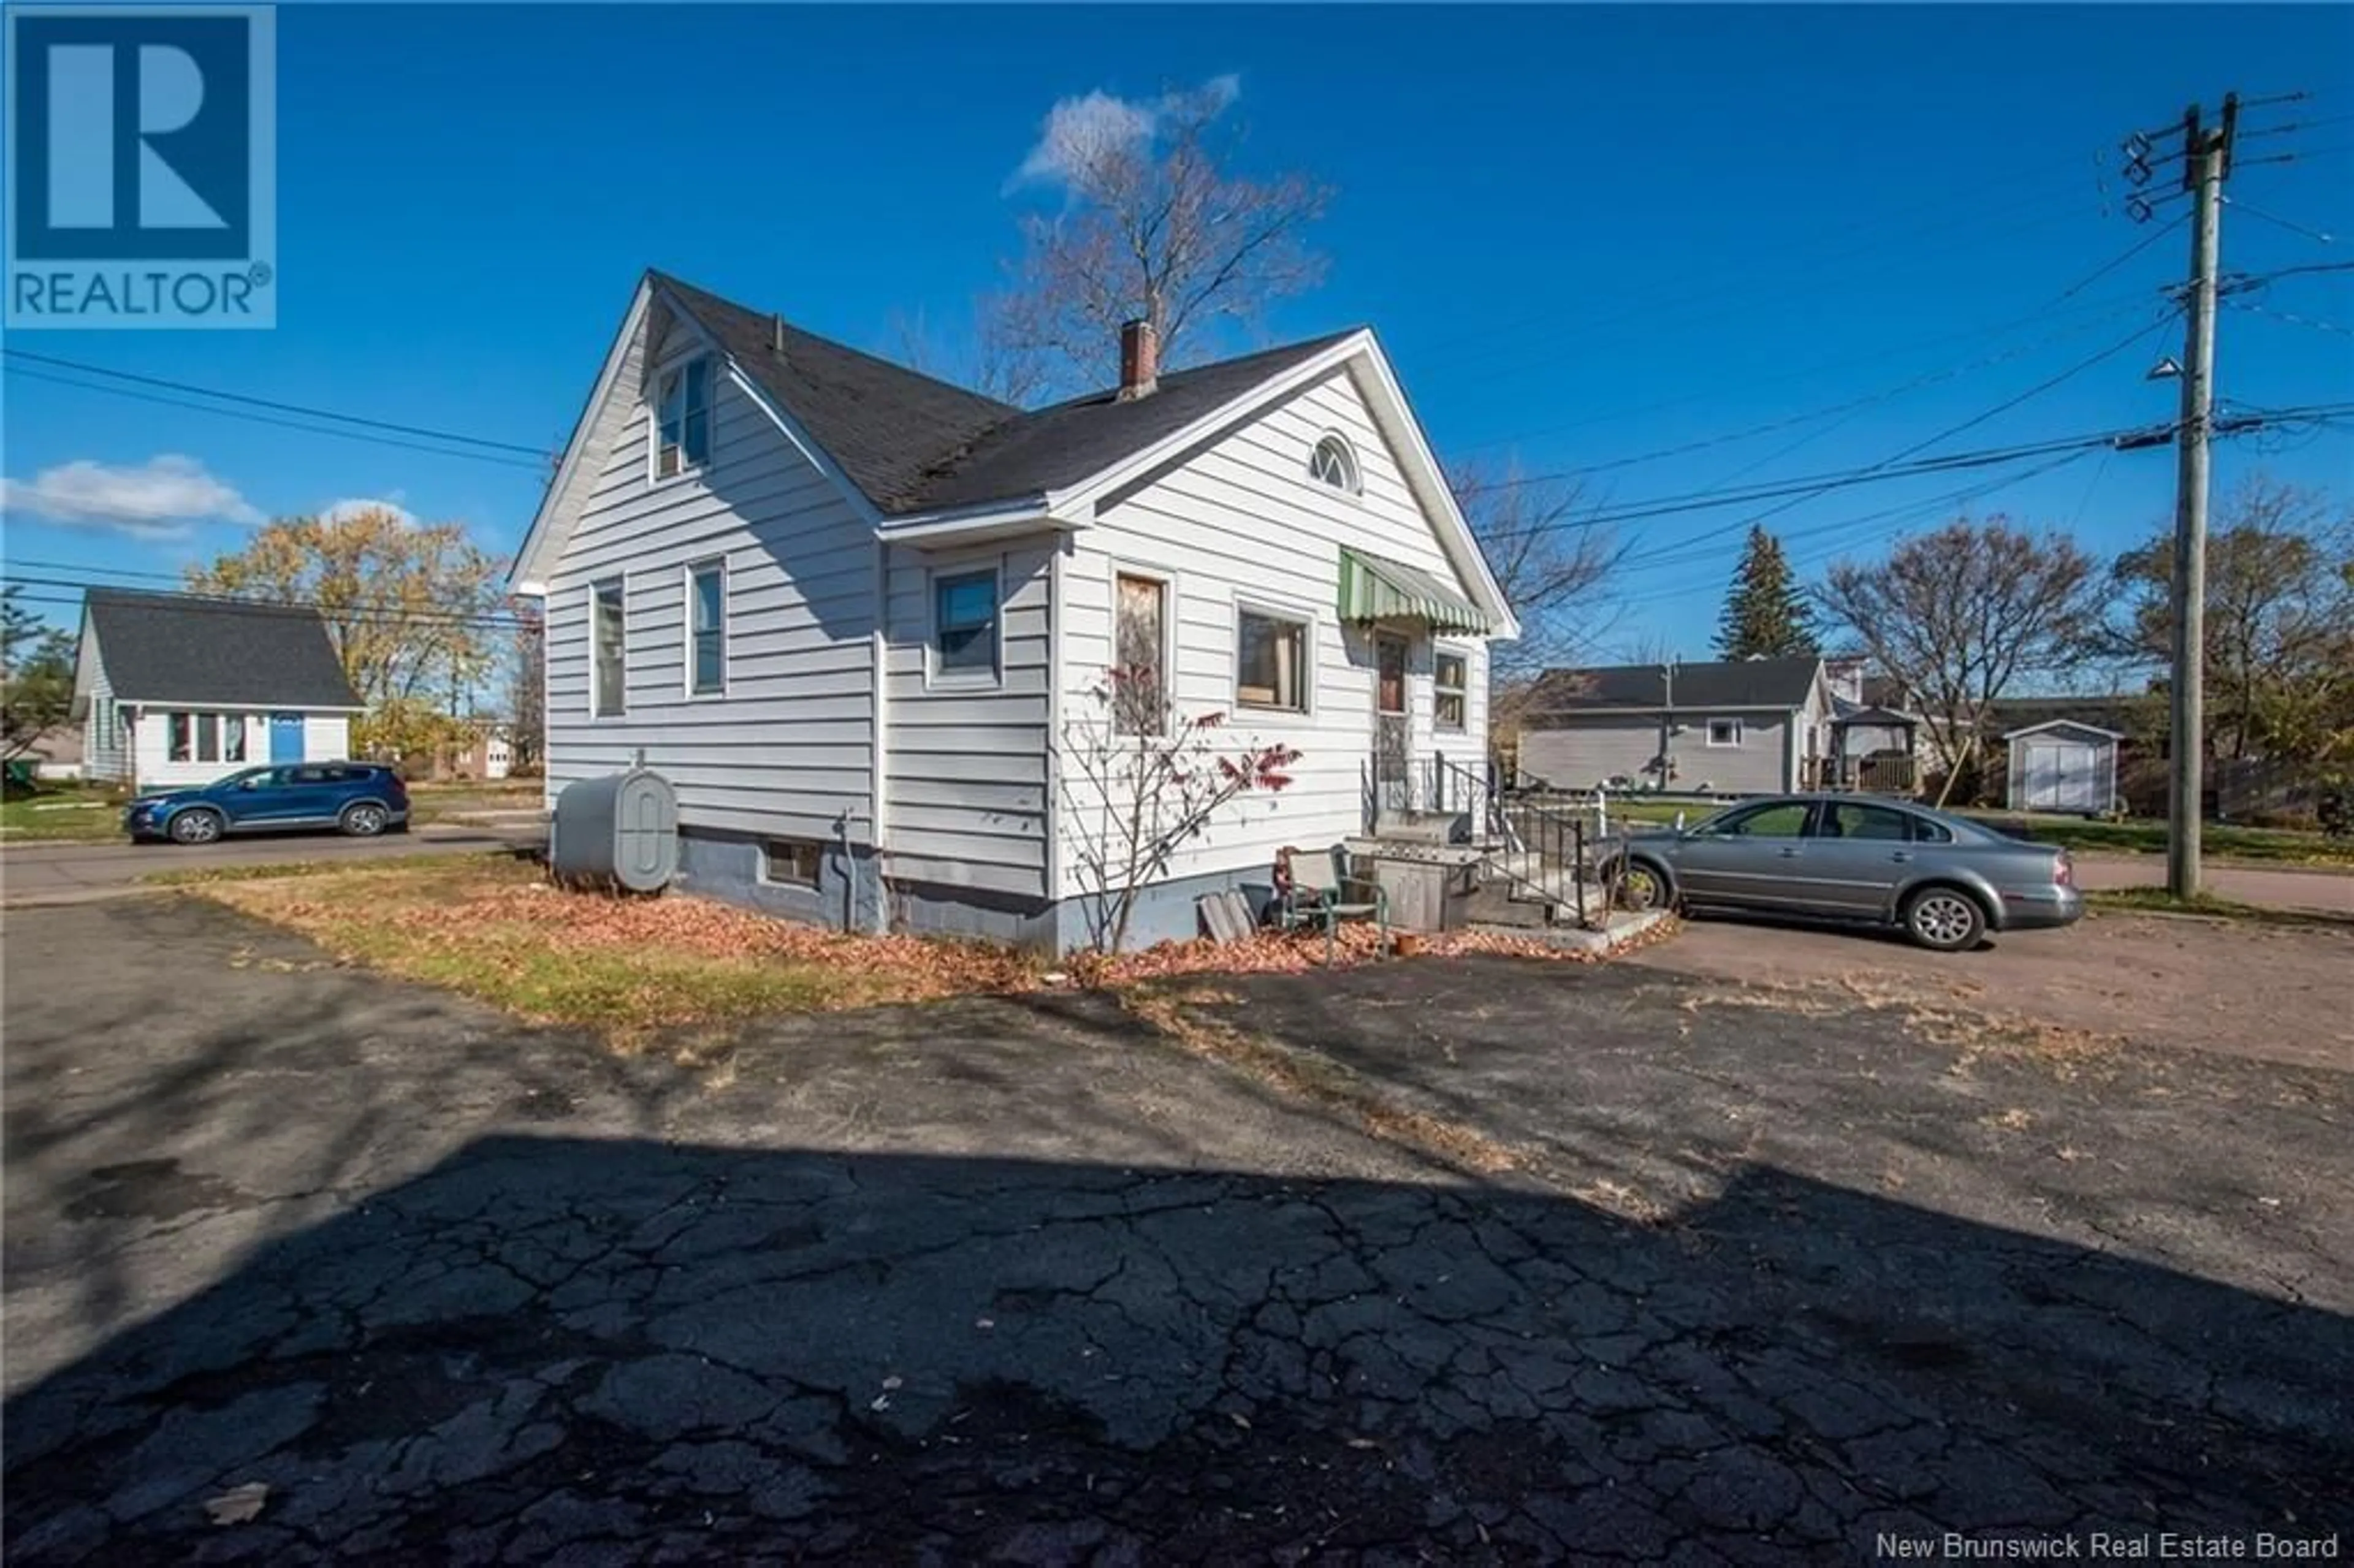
(1314, 888)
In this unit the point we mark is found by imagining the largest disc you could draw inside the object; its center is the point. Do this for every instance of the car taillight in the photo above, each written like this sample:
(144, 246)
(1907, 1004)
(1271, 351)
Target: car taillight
(2064, 871)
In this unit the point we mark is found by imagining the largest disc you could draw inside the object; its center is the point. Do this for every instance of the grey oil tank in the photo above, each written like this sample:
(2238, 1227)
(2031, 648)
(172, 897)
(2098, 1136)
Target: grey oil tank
(620, 828)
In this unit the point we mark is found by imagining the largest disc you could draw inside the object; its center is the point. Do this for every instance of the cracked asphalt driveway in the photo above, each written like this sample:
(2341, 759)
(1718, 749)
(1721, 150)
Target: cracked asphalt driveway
(1016, 1281)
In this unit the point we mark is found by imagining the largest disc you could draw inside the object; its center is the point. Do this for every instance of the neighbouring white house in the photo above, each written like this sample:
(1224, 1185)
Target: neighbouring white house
(175, 689)
(855, 614)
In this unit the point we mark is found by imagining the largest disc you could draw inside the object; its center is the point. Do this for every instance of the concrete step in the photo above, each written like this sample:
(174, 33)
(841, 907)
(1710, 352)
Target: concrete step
(1529, 879)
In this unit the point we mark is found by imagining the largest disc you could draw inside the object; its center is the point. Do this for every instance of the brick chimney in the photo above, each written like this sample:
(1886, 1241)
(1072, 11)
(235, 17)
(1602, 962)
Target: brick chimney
(1140, 360)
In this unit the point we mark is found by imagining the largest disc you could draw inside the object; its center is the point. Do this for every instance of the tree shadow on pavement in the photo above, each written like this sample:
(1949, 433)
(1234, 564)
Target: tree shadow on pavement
(621, 1350)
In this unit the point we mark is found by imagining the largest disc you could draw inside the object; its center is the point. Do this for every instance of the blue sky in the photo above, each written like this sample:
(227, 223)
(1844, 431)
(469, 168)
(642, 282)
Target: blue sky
(1585, 234)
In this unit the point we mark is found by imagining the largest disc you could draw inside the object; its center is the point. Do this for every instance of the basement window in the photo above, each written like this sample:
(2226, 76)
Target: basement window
(791, 863)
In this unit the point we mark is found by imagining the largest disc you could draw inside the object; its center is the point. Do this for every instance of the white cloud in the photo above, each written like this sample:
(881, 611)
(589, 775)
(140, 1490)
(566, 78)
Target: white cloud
(352, 505)
(1077, 131)
(160, 498)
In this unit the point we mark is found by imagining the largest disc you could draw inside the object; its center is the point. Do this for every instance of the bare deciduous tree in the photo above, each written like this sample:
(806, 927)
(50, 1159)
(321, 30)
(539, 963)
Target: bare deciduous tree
(1956, 616)
(2280, 609)
(1158, 228)
(1139, 782)
(981, 359)
(1553, 564)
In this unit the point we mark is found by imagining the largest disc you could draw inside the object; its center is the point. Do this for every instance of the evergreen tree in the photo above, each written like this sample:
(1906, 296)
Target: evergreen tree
(1766, 616)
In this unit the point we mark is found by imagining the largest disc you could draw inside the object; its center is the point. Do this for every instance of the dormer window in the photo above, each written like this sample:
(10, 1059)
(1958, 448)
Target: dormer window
(682, 419)
(1335, 465)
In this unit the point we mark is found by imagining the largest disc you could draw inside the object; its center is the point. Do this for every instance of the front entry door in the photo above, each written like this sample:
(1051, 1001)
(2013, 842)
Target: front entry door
(1393, 730)
(286, 738)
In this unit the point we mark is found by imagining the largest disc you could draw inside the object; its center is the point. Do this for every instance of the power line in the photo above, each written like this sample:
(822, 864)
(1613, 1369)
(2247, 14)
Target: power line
(2236, 282)
(1890, 467)
(1839, 533)
(2053, 307)
(2236, 204)
(1981, 417)
(1852, 405)
(1684, 551)
(367, 437)
(2118, 441)
(2315, 321)
(369, 615)
(451, 437)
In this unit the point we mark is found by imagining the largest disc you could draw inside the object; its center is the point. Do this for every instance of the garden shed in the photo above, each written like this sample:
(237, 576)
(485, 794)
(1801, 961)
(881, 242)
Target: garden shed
(2063, 766)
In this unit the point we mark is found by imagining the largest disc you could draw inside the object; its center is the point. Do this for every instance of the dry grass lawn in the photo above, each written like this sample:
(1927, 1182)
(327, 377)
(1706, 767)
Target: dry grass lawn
(494, 929)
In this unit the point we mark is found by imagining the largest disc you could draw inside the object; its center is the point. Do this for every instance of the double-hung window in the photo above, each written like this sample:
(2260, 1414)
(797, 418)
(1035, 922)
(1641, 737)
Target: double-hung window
(607, 641)
(1450, 687)
(1270, 661)
(706, 611)
(964, 628)
(682, 419)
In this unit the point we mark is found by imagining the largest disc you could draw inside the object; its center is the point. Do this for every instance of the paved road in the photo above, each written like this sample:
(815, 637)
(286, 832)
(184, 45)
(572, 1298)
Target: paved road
(2315, 890)
(78, 874)
(1013, 1280)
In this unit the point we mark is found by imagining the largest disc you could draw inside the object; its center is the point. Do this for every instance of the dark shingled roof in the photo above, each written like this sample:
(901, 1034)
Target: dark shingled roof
(181, 648)
(887, 426)
(1731, 683)
(914, 444)
(1064, 444)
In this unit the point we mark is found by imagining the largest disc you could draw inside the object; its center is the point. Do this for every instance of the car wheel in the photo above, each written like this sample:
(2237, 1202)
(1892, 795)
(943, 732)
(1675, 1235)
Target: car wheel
(1643, 887)
(196, 826)
(364, 820)
(1944, 919)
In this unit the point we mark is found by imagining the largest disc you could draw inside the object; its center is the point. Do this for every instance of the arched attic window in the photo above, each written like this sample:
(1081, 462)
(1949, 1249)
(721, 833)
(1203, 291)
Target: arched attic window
(1334, 462)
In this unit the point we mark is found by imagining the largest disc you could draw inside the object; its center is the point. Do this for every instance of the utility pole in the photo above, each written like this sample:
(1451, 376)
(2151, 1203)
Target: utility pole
(2206, 162)
(1667, 723)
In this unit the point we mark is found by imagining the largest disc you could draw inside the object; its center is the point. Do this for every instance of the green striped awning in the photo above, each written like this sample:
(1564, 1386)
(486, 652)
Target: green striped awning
(1374, 587)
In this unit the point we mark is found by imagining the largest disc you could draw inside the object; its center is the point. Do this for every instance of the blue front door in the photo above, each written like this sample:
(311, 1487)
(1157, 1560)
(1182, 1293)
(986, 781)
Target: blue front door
(285, 737)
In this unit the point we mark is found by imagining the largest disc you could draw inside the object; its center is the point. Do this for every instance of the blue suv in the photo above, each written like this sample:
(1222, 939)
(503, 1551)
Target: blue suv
(362, 799)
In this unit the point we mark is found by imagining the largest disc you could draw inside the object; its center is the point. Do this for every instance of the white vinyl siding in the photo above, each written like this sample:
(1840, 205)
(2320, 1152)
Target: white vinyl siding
(325, 737)
(1242, 522)
(106, 753)
(966, 789)
(788, 749)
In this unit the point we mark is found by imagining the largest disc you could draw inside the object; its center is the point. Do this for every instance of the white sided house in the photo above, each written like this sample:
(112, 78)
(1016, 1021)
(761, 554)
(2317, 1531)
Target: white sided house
(177, 689)
(857, 615)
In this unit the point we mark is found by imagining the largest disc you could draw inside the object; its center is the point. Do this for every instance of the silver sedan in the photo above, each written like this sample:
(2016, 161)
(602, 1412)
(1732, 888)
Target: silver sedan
(1943, 880)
